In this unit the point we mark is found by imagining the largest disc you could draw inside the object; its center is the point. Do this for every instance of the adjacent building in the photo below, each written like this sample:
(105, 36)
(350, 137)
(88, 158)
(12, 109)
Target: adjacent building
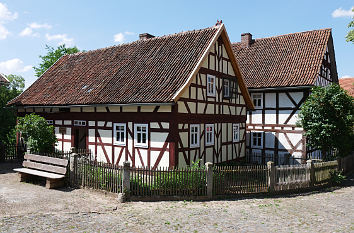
(3, 80)
(280, 72)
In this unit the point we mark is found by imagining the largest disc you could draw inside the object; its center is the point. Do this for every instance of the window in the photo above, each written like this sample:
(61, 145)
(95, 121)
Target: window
(119, 132)
(209, 134)
(257, 139)
(79, 123)
(226, 88)
(235, 132)
(257, 100)
(194, 135)
(141, 135)
(210, 85)
(50, 122)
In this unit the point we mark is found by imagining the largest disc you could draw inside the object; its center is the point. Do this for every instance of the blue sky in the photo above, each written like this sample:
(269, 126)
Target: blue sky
(27, 26)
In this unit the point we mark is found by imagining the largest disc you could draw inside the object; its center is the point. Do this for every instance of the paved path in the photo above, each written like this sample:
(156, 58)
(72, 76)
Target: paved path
(28, 207)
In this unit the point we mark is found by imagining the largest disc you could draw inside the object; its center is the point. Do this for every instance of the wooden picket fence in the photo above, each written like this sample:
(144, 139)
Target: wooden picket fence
(97, 175)
(323, 171)
(192, 182)
(289, 177)
(168, 182)
(230, 180)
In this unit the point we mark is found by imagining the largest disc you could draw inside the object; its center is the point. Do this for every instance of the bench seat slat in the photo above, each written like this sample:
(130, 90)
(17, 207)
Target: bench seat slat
(46, 159)
(45, 167)
(39, 173)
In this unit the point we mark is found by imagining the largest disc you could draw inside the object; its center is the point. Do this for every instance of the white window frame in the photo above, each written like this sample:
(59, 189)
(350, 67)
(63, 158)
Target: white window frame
(236, 132)
(50, 122)
(209, 135)
(136, 143)
(226, 95)
(252, 137)
(258, 98)
(211, 86)
(191, 135)
(115, 131)
(79, 123)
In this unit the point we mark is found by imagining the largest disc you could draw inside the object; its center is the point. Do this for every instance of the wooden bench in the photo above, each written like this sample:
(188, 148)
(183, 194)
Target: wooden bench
(53, 169)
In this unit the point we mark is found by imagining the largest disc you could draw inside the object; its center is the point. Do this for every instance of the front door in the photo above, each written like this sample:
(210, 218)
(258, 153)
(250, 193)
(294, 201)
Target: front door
(80, 138)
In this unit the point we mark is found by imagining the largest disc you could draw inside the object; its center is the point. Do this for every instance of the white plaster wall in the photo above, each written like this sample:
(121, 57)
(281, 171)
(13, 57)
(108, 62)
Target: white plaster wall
(283, 115)
(158, 139)
(67, 146)
(106, 135)
(297, 96)
(270, 117)
(257, 117)
(91, 135)
(284, 101)
(270, 100)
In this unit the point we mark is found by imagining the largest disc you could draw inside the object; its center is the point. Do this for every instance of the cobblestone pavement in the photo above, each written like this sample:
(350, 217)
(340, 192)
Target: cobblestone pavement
(28, 207)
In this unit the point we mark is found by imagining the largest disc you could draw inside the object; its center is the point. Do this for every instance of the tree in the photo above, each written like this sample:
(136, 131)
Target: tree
(53, 54)
(327, 116)
(350, 35)
(37, 134)
(8, 114)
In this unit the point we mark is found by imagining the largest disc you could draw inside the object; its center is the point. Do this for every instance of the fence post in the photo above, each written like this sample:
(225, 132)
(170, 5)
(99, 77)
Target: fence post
(125, 194)
(271, 176)
(73, 164)
(311, 166)
(209, 179)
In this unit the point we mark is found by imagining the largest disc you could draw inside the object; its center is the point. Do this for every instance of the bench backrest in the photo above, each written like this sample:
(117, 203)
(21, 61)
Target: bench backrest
(45, 163)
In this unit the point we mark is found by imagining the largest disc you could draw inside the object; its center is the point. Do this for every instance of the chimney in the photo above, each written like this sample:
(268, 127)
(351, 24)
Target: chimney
(246, 39)
(145, 36)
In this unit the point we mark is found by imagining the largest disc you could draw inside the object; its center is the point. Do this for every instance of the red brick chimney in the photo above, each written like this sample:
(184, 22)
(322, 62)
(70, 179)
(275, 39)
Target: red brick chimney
(145, 36)
(246, 39)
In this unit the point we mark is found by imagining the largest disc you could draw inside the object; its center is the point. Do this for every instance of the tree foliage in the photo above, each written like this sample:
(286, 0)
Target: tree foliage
(350, 35)
(37, 134)
(8, 114)
(53, 54)
(327, 117)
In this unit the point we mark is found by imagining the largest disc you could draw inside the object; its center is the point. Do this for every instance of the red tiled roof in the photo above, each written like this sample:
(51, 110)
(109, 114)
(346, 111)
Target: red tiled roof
(286, 60)
(3, 79)
(144, 71)
(348, 85)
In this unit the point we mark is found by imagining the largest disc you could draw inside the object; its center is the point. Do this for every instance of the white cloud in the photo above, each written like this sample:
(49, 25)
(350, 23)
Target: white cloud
(62, 38)
(5, 14)
(3, 32)
(129, 33)
(38, 26)
(347, 76)
(119, 37)
(337, 13)
(14, 66)
(29, 31)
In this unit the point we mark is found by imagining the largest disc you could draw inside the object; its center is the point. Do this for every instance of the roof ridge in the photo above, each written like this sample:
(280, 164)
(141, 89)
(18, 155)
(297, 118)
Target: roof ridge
(289, 34)
(140, 41)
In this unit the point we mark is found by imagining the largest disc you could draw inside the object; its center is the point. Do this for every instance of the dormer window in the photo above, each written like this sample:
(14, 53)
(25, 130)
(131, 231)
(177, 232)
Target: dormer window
(210, 85)
(257, 100)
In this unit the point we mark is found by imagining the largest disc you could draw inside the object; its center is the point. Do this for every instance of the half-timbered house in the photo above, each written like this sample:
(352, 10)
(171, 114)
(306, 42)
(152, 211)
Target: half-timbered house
(279, 72)
(158, 101)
